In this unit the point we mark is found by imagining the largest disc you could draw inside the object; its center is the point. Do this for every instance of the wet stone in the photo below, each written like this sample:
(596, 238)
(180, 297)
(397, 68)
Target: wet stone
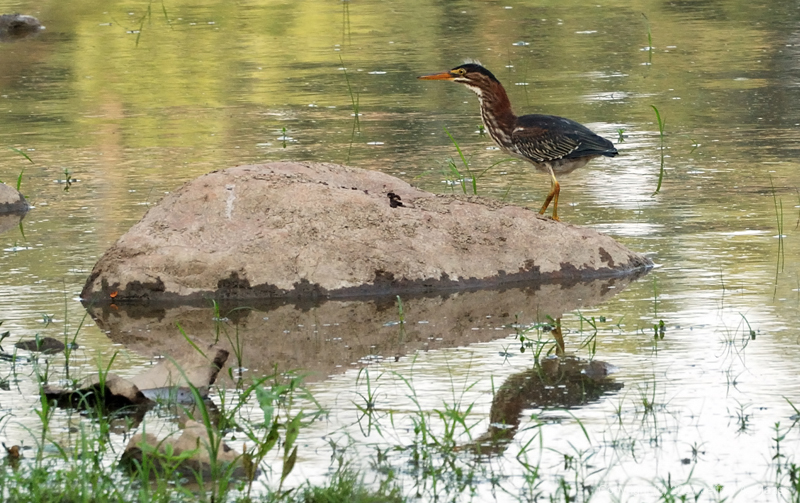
(18, 26)
(170, 378)
(306, 230)
(47, 345)
(11, 201)
(193, 442)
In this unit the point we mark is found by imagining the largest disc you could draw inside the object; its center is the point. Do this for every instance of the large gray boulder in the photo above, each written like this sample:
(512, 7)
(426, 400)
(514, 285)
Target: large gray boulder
(293, 229)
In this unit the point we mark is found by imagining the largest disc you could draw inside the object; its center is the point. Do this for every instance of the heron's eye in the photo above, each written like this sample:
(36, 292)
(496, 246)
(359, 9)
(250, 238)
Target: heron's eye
(459, 71)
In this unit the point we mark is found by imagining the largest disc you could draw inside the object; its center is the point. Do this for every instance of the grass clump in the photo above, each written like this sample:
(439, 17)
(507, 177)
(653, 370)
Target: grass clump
(348, 487)
(524, 438)
(19, 177)
(462, 173)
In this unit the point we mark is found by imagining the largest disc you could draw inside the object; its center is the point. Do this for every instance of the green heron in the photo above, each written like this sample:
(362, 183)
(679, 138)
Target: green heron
(552, 144)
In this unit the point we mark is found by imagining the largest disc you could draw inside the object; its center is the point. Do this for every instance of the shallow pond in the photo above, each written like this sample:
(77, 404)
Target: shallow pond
(131, 101)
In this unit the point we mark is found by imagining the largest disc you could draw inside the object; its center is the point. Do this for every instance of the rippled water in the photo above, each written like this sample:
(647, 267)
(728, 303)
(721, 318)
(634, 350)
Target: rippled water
(132, 106)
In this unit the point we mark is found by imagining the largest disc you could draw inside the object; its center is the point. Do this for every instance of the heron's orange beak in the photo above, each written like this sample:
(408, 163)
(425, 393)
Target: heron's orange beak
(438, 76)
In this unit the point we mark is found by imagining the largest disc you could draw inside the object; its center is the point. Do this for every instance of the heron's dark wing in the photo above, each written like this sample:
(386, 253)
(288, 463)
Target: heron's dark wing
(548, 138)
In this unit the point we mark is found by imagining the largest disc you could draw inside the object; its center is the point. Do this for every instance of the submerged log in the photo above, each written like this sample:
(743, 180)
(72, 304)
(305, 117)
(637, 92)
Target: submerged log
(303, 230)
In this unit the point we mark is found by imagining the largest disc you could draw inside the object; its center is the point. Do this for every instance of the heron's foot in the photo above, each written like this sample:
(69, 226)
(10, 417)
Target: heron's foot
(551, 217)
(552, 196)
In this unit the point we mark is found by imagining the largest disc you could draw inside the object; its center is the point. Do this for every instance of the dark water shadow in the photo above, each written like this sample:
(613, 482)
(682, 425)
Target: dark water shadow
(328, 337)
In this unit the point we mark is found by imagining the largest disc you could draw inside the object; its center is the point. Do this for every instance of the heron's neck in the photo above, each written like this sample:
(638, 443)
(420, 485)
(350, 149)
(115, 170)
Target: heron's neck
(497, 115)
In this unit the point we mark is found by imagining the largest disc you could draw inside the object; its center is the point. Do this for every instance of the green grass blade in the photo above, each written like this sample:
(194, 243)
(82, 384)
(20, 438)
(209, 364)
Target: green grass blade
(191, 342)
(23, 154)
(458, 148)
(661, 124)
(354, 98)
(465, 163)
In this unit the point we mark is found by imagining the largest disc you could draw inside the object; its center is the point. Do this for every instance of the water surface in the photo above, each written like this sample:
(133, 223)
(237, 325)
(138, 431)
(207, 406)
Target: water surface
(134, 105)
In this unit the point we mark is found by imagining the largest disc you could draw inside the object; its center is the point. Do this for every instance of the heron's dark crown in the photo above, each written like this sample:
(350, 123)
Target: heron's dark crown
(475, 68)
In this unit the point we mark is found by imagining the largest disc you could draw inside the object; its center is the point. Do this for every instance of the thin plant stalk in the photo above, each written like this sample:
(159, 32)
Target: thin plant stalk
(655, 297)
(661, 123)
(778, 204)
(473, 178)
(649, 39)
(465, 163)
(354, 100)
(353, 95)
(346, 37)
(19, 178)
(145, 17)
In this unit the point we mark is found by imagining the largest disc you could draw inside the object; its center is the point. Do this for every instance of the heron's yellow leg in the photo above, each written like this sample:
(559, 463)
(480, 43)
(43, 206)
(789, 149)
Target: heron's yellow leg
(555, 188)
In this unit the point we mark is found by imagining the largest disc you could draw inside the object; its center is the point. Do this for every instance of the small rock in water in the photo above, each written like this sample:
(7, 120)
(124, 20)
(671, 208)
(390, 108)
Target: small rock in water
(11, 201)
(18, 26)
(46, 345)
(194, 442)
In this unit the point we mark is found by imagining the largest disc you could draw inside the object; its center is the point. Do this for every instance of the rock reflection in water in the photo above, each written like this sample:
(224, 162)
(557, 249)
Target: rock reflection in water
(10, 221)
(331, 336)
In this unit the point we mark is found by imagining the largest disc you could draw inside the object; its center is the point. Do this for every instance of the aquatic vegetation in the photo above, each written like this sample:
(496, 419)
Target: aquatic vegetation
(22, 171)
(661, 124)
(778, 204)
(147, 17)
(742, 417)
(456, 172)
(539, 346)
(369, 401)
(354, 102)
(399, 445)
(467, 176)
(649, 39)
(354, 97)
(589, 342)
(346, 34)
